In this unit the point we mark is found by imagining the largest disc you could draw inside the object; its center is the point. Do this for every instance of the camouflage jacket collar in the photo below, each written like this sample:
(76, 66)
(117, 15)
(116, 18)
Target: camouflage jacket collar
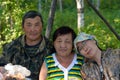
(41, 46)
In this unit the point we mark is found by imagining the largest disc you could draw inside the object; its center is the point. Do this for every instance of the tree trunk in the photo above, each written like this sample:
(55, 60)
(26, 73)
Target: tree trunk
(60, 4)
(39, 5)
(80, 13)
(98, 4)
(0, 32)
(51, 18)
(46, 1)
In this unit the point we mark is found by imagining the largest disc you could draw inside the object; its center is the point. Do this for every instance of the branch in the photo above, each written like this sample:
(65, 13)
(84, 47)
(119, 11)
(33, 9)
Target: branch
(104, 20)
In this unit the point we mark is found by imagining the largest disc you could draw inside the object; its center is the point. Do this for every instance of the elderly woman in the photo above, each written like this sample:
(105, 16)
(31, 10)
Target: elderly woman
(100, 65)
(64, 63)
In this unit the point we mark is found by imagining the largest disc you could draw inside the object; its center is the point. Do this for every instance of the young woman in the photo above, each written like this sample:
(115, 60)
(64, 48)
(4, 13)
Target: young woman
(100, 65)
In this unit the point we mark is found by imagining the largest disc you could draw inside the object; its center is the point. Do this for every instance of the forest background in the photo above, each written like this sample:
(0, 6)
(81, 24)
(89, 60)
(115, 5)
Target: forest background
(11, 12)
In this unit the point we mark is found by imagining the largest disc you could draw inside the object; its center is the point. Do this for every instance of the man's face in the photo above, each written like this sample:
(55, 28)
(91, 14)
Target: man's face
(32, 28)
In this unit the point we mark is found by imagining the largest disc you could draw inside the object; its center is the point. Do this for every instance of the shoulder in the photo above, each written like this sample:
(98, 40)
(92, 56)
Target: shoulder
(89, 64)
(89, 67)
(111, 53)
(80, 57)
(15, 42)
(11, 49)
(90, 70)
(49, 59)
(116, 51)
(49, 56)
(111, 56)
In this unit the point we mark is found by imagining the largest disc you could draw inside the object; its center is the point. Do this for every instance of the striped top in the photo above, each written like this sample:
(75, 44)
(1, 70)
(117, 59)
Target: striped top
(57, 72)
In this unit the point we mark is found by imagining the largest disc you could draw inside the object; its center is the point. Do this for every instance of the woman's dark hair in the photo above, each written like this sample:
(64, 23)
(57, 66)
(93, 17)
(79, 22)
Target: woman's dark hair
(31, 14)
(62, 31)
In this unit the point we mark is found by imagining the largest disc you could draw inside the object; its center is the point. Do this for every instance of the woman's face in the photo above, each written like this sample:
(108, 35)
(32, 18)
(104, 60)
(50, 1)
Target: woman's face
(63, 44)
(87, 48)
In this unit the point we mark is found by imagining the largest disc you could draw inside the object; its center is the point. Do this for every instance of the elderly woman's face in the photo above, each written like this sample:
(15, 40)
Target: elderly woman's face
(63, 44)
(87, 48)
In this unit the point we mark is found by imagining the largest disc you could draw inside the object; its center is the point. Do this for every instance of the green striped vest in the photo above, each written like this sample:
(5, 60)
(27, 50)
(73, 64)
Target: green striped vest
(56, 73)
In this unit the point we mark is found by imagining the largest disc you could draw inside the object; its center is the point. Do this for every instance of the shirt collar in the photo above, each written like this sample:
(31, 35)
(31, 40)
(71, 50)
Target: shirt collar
(57, 63)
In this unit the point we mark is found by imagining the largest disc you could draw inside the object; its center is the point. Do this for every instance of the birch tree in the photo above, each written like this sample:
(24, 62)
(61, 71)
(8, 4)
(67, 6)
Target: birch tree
(39, 5)
(60, 4)
(51, 18)
(80, 13)
(98, 4)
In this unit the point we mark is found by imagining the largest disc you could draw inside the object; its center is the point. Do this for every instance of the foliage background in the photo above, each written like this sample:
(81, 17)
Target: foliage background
(11, 12)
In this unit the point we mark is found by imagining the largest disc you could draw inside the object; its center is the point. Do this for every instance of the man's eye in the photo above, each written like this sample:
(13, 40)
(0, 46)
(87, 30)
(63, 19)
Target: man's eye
(29, 25)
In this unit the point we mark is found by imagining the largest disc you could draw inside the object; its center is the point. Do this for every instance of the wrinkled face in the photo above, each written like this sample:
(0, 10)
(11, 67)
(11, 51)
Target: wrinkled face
(63, 44)
(87, 48)
(33, 28)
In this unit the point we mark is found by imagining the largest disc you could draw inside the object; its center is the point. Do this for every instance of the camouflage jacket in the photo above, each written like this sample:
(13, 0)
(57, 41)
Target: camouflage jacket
(15, 53)
(110, 64)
